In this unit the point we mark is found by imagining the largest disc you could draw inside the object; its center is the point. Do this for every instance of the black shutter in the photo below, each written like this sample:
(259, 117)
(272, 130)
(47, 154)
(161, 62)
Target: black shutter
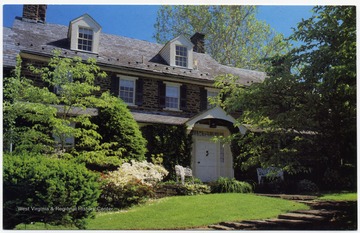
(162, 94)
(183, 98)
(203, 99)
(139, 92)
(115, 85)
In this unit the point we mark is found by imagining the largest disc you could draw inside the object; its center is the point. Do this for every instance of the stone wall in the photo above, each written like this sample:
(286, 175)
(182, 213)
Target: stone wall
(150, 91)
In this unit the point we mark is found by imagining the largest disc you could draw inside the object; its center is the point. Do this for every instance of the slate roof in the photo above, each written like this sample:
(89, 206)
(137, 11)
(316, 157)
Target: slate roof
(114, 51)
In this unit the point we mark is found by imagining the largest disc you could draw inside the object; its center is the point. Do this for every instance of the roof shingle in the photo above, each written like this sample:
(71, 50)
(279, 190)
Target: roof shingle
(118, 51)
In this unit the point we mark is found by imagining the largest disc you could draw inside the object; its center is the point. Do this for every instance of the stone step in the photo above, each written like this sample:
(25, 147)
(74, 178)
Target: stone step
(318, 212)
(289, 222)
(305, 217)
(238, 225)
(260, 223)
(221, 227)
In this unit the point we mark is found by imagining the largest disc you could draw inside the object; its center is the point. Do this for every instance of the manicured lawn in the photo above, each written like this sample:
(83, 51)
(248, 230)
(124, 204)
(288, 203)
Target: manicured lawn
(183, 212)
(339, 197)
(194, 211)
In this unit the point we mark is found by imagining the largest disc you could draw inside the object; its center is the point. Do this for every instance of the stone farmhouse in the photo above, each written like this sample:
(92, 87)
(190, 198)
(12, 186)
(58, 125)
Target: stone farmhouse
(161, 83)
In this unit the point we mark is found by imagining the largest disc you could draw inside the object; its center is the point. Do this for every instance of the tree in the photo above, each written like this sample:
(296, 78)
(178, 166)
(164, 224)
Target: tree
(311, 95)
(42, 119)
(116, 124)
(233, 34)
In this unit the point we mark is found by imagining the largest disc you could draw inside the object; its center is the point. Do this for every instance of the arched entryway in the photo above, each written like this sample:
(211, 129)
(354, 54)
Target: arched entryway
(211, 159)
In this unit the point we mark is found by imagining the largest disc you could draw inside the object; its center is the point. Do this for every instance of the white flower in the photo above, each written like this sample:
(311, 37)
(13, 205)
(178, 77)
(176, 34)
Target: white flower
(145, 172)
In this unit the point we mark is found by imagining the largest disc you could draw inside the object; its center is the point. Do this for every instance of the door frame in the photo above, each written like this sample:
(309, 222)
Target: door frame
(202, 132)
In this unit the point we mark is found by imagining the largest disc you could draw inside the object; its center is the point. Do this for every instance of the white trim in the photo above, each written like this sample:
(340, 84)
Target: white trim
(213, 113)
(128, 78)
(84, 21)
(176, 85)
(224, 165)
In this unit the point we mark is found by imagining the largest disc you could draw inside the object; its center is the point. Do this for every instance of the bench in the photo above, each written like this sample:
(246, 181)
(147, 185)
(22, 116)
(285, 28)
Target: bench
(269, 172)
(183, 172)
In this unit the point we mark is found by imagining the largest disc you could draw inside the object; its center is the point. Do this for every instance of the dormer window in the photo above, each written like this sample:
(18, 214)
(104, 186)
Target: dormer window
(84, 34)
(178, 52)
(85, 39)
(181, 56)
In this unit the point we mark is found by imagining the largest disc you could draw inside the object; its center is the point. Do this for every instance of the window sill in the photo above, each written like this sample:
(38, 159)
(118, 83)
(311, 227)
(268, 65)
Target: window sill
(131, 105)
(172, 109)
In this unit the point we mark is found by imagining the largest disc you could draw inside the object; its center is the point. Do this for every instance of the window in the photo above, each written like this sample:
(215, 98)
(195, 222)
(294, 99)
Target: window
(62, 80)
(181, 56)
(211, 94)
(127, 89)
(65, 140)
(85, 39)
(172, 96)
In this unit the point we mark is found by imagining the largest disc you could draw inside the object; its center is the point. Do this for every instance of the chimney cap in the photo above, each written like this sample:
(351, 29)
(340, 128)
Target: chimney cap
(198, 35)
(198, 39)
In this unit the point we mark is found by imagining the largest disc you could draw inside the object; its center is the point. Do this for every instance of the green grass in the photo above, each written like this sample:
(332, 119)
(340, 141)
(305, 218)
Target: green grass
(339, 197)
(184, 212)
(194, 211)
(43, 226)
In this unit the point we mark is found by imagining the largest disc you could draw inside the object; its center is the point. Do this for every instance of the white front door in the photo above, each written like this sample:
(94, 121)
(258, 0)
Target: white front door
(206, 159)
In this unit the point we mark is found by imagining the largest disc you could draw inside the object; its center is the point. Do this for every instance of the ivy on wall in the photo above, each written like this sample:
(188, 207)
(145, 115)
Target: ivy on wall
(172, 142)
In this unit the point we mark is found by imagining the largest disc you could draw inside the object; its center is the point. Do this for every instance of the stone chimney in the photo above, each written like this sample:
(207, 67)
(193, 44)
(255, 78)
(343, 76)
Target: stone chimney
(198, 39)
(35, 13)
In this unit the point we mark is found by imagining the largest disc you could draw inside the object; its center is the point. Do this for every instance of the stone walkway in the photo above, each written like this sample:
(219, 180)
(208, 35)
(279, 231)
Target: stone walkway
(323, 215)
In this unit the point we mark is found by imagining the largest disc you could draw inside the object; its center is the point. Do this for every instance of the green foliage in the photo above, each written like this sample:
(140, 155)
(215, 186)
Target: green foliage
(306, 186)
(193, 189)
(34, 115)
(230, 185)
(41, 189)
(38, 120)
(302, 118)
(224, 27)
(26, 110)
(117, 126)
(118, 196)
(171, 141)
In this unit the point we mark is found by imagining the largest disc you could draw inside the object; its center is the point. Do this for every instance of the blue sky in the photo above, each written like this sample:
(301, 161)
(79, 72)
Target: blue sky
(137, 21)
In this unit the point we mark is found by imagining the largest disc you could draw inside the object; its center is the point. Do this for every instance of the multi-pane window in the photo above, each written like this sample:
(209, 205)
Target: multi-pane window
(172, 97)
(211, 94)
(85, 39)
(62, 80)
(127, 90)
(181, 56)
(64, 140)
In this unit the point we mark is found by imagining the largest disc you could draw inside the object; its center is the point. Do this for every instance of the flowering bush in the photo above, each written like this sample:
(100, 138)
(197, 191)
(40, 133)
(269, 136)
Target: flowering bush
(131, 184)
(132, 193)
(145, 172)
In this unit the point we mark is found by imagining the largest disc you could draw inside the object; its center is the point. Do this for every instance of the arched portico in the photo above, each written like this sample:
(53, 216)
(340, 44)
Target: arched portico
(211, 159)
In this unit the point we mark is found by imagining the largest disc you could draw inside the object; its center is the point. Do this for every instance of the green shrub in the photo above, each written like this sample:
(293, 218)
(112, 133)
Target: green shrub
(193, 189)
(41, 189)
(173, 188)
(117, 125)
(123, 196)
(230, 185)
(306, 186)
